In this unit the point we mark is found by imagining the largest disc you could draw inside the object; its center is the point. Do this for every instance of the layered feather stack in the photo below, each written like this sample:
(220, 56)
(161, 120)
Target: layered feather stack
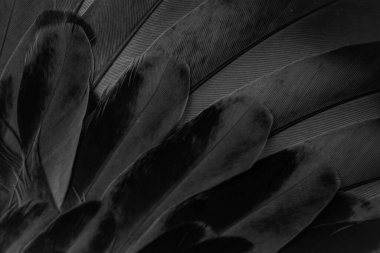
(178, 126)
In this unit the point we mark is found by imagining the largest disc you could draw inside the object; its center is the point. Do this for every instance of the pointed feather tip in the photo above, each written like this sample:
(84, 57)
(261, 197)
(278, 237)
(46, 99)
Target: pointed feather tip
(55, 17)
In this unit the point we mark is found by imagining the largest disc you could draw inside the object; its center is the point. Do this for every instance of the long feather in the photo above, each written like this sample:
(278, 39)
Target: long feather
(200, 39)
(11, 80)
(132, 117)
(264, 198)
(19, 226)
(12, 157)
(52, 102)
(344, 23)
(221, 142)
(297, 94)
(268, 195)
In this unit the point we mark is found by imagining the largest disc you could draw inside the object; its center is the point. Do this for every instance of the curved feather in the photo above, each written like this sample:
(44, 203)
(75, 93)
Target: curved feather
(353, 71)
(51, 104)
(199, 39)
(132, 117)
(11, 79)
(264, 193)
(344, 23)
(221, 142)
(299, 178)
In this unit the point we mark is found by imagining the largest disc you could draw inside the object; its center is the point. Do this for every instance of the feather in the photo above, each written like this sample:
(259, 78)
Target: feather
(166, 14)
(344, 150)
(132, 117)
(221, 142)
(69, 5)
(12, 157)
(353, 70)
(199, 39)
(347, 22)
(299, 178)
(20, 225)
(13, 81)
(15, 18)
(52, 102)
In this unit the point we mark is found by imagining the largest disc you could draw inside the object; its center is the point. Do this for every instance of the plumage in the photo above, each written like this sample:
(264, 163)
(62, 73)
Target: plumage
(132, 117)
(37, 67)
(344, 23)
(52, 102)
(189, 126)
(166, 14)
(284, 181)
(204, 146)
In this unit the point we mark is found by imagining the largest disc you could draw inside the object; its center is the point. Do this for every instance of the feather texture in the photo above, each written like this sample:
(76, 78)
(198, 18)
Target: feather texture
(166, 14)
(287, 163)
(132, 117)
(52, 102)
(210, 149)
(20, 225)
(299, 178)
(15, 18)
(116, 32)
(344, 23)
(34, 70)
(344, 211)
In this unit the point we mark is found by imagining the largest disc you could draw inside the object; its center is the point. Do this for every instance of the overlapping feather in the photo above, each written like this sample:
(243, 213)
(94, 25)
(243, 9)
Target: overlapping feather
(160, 186)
